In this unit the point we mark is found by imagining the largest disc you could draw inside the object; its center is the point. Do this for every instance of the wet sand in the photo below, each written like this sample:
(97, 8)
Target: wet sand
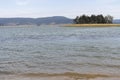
(57, 78)
(64, 76)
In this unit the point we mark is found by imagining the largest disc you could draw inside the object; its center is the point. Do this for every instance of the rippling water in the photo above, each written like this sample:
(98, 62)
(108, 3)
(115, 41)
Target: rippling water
(57, 50)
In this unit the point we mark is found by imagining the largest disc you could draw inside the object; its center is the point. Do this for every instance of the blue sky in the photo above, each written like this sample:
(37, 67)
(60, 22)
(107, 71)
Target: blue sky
(68, 8)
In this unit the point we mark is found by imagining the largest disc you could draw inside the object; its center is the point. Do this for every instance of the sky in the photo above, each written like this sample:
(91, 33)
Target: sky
(67, 8)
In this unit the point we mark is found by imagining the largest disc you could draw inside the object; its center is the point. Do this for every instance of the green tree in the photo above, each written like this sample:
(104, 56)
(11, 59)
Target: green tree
(93, 19)
(101, 19)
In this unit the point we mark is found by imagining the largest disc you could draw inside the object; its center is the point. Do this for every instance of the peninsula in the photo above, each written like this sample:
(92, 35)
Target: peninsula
(92, 25)
(93, 21)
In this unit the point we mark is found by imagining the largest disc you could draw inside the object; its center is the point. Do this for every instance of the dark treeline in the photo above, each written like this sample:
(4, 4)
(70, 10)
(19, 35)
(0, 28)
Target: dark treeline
(93, 19)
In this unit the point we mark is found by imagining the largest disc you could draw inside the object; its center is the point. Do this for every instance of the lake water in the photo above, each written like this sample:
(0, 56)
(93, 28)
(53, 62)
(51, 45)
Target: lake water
(50, 51)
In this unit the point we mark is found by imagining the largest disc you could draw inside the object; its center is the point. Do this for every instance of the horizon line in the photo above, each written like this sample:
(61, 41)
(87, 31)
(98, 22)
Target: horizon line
(43, 17)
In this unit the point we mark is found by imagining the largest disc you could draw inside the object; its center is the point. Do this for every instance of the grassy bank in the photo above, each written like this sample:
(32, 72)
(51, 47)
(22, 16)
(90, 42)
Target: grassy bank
(92, 25)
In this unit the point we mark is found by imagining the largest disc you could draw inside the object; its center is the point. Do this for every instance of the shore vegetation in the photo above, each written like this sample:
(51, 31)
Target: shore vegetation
(93, 19)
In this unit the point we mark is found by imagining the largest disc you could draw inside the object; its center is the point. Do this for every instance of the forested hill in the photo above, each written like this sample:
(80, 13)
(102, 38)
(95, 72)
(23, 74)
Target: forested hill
(35, 21)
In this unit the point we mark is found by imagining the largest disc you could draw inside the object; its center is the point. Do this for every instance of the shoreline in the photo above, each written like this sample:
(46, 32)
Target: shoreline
(91, 25)
(62, 76)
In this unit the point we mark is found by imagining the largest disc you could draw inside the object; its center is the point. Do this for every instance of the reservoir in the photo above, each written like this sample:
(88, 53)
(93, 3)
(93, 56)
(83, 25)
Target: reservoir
(59, 53)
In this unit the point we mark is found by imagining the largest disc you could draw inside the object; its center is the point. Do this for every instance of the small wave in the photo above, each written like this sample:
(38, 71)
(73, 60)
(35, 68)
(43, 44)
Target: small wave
(5, 73)
(12, 49)
(104, 65)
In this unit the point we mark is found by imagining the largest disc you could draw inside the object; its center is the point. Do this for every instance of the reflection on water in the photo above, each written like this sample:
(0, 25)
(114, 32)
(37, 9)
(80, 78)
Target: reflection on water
(48, 49)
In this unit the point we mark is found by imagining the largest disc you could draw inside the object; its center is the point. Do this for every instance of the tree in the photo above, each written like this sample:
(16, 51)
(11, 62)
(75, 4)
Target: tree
(87, 19)
(109, 19)
(83, 19)
(93, 19)
(100, 19)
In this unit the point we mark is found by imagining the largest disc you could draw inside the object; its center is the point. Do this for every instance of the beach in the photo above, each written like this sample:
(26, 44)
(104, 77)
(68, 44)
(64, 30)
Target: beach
(60, 77)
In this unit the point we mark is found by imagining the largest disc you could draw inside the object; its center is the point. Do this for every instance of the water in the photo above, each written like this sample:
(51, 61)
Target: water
(59, 50)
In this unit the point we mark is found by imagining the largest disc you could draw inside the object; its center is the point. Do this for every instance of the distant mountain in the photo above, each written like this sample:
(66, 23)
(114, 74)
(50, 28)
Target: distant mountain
(39, 21)
(116, 21)
(35, 21)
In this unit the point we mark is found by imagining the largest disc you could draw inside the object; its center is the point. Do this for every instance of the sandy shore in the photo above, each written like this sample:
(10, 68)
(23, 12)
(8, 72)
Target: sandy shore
(64, 76)
(92, 25)
(55, 78)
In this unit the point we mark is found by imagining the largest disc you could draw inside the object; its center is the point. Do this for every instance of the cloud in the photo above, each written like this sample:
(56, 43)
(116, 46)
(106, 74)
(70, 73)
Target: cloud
(22, 2)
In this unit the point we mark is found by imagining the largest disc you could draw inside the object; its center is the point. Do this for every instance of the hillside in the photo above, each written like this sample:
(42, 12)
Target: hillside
(35, 21)
(116, 21)
(39, 21)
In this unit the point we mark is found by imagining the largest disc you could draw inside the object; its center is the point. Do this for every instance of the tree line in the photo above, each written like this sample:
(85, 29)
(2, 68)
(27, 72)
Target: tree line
(93, 19)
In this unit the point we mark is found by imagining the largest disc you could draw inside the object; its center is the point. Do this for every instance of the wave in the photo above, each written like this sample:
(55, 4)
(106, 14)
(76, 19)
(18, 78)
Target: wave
(5, 73)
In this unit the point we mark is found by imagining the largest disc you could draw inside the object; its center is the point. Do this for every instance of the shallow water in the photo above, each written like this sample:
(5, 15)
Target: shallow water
(59, 50)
